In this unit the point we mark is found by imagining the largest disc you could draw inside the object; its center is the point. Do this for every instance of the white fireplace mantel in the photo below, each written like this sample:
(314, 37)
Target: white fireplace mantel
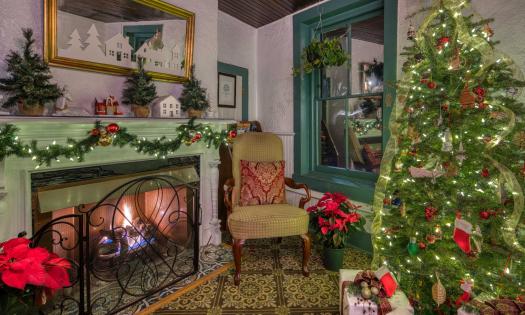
(15, 172)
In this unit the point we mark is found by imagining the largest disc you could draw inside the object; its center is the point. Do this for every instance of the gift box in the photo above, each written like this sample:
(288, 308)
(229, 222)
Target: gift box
(398, 303)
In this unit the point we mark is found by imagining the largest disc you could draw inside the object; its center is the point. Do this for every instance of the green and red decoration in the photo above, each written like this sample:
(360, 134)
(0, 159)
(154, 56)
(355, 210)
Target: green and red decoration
(110, 134)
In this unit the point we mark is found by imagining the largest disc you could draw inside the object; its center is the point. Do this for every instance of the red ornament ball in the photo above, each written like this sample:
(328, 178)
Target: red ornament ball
(482, 105)
(422, 245)
(112, 128)
(444, 40)
(95, 132)
(232, 134)
(431, 85)
(444, 107)
(197, 136)
(484, 215)
(431, 239)
(485, 172)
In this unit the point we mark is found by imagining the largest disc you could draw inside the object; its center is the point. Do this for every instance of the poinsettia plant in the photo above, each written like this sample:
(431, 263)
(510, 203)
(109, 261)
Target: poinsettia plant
(333, 219)
(26, 271)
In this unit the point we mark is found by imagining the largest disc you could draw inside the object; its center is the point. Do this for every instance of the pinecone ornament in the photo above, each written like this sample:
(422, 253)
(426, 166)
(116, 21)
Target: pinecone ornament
(439, 293)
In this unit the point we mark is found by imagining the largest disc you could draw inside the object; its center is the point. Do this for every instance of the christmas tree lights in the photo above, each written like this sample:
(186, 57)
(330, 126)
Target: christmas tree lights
(449, 199)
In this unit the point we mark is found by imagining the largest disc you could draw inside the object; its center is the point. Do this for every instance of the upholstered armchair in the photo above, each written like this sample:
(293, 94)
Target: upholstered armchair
(262, 221)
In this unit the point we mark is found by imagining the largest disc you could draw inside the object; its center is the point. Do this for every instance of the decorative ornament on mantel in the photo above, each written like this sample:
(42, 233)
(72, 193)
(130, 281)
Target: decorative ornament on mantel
(110, 134)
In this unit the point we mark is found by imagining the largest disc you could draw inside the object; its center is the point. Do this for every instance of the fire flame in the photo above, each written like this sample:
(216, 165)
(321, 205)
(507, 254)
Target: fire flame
(128, 217)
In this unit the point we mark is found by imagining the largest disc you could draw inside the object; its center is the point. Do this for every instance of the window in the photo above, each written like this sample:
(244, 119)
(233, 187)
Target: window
(126, 55)
(350, 99)
(112, 53)
(171, 113)
(164, 112)
(339, 111)
(164, 105)
(177, 111)
(171, 105)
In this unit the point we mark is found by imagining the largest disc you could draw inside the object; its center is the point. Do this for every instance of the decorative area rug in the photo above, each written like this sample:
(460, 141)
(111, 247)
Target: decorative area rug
(271, 283)
(214, 260)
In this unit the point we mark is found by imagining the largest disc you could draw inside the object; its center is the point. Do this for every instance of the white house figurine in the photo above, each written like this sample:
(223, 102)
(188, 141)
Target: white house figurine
(167, 106)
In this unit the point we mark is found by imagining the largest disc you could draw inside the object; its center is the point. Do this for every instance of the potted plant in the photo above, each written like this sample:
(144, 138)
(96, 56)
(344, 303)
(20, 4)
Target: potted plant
(333, 219)
(29, 276)
(320, 54)
(140, 91)
(28, 84)
(193, 99)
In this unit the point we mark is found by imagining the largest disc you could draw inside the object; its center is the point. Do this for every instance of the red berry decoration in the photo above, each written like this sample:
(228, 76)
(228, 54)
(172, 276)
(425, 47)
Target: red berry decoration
(232, 134)
(431, 239)
(482, 105)
(431, 85)
(424, 81)
(479, 91)
(112, 128)
(444, 107)
(484, 215)
(430, 212)
(422, 245)
(95, 132)
(198, 136)
(387, 201)
(485, 172)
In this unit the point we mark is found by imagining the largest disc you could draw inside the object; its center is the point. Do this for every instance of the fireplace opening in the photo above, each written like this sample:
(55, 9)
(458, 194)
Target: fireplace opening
(128, 233)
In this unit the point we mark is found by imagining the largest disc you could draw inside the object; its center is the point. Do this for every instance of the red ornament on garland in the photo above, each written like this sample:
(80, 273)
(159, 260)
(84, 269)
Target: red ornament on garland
(431, 85)
(485, 172)
(424, 81)
(444, 107)
(232, 133)
(482, 105)
(387, 201)
(422, 245)
(112, 128)
(94, 132)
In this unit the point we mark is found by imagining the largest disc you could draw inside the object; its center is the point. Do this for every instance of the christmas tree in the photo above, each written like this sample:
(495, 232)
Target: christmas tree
(140, 89)
(29, 76)
(449, 199)
(193, 95)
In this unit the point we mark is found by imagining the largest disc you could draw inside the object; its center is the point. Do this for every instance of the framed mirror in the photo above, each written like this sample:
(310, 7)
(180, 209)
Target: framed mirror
(112, 36)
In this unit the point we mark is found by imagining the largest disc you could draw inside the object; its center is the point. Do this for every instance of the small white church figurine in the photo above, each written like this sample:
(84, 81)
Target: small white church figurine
(167, 106)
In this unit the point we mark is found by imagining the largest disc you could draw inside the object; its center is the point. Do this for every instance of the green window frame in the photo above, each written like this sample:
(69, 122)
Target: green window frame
(356, 184)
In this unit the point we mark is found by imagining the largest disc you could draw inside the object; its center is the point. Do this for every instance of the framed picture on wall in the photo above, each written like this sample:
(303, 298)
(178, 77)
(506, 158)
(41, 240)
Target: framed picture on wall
(227, 90)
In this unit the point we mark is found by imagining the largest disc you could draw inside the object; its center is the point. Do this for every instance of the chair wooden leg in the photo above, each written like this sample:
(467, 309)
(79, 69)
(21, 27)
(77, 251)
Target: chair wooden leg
(307, 250)
(237, 253)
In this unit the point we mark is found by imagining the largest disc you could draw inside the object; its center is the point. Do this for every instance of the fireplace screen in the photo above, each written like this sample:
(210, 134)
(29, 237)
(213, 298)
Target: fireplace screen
(137, 240)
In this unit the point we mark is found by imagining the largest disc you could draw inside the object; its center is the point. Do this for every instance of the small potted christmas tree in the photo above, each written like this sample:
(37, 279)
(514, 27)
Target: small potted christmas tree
(193, 99)
(28, 83)
(140, 91)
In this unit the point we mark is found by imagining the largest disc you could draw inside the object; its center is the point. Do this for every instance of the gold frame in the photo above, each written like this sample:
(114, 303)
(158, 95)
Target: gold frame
(51, 49)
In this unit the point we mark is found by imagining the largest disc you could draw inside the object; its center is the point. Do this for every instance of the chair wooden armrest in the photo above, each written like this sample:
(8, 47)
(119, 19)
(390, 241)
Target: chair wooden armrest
(292, 184)
(228, 190)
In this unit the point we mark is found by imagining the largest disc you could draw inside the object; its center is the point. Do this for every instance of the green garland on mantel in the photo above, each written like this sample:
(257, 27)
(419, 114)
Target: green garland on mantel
(110, 134)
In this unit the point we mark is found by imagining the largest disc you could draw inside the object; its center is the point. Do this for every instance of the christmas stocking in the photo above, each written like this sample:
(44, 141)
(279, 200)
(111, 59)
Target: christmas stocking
(387, 280)
(462, 232)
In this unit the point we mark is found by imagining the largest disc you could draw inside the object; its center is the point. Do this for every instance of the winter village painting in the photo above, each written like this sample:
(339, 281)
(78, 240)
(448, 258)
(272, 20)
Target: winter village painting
(117, 50)
(114, 38)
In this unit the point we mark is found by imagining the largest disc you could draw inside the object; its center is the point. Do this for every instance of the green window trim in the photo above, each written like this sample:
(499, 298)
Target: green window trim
(356, 184)
(242, 72)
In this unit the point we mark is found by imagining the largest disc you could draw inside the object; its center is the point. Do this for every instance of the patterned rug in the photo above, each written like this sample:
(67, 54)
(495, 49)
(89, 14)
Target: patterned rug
(271, 283)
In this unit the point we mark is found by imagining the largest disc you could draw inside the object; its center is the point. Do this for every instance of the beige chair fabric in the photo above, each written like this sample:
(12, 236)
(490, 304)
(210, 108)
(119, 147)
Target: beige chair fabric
(267, 221)
(264, 221)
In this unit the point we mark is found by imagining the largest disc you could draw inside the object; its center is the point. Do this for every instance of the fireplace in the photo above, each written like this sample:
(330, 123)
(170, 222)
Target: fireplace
(129, 229)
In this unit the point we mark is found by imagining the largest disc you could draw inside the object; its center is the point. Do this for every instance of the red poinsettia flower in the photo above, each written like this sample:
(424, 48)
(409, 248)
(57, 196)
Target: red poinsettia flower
(21, 265)
(353, 217)
(339, 197)
(57, 275)
(331, 207)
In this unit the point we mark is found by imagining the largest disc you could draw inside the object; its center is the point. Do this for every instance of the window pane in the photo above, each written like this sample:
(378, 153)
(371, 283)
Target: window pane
(331, 132)
(335, 81)
(367, 55)
(365, 133)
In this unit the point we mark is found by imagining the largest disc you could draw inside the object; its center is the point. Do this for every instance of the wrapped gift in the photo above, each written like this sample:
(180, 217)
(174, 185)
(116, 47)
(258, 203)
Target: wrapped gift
(351, 303)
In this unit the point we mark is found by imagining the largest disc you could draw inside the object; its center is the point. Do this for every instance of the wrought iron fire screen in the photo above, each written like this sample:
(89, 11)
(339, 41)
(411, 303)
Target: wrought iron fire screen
(142, 237)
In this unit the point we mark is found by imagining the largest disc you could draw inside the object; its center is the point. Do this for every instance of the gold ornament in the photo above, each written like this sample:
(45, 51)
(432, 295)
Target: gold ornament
(488, 30)
(366, 293)
(104, 140)
(455, 62)
(519, 139)
(403, 210)
(375, 291)
(467, 99)
(439, 293)
(398, 166)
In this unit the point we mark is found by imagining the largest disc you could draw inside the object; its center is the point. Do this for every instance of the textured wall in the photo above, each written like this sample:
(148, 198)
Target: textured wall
(83, 85)
(274, 75)
(237, 46)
